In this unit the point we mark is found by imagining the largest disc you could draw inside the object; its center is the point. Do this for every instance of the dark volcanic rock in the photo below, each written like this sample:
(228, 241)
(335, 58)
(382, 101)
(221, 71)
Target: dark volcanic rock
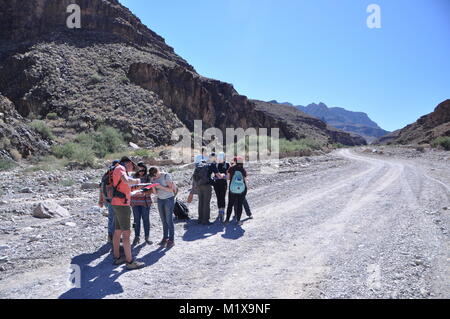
(113, 71)
(16, 135)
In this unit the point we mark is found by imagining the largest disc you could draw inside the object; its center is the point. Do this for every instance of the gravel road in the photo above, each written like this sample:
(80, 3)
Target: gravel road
(347, 225)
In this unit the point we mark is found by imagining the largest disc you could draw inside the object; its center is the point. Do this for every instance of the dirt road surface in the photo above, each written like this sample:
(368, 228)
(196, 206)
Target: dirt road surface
(358, 226)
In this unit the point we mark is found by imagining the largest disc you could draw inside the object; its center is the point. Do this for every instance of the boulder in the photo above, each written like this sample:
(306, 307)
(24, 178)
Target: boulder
(50, 210)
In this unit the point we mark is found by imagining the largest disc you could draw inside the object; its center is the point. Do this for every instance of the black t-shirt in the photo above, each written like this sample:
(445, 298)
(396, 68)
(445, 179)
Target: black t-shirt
(223, 167)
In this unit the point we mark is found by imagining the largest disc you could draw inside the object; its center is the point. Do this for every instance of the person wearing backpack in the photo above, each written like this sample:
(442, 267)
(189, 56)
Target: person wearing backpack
(141, 204)
(221, 184)
(106, 194)
(122, 212)
(165, 191)
(238, 189)
(204, 184)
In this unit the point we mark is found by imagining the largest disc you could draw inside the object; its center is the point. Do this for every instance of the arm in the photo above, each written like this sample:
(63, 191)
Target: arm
(130, 181)
(101, 200)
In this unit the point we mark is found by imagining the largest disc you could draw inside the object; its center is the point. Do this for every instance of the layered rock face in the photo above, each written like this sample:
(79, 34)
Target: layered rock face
(425, 130)
(113, 71)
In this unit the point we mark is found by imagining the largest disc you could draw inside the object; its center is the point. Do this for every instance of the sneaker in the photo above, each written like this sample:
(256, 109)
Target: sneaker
(148, 241)
(239, 223)
(110, 239)
(250, 216)
(119, 261)
(134, 265)
(170, 244)
(221, 216)
(136, 241)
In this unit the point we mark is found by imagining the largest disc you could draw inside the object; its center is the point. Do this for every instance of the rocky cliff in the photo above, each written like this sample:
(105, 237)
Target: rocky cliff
(113, 71)
(425, 130)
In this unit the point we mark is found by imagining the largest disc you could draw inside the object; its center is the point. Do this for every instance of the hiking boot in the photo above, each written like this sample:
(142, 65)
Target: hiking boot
(134, 265)
(148, 241)
(110, 239)
(119, 261)
(170, 244)
(136, 241)
(163, 242)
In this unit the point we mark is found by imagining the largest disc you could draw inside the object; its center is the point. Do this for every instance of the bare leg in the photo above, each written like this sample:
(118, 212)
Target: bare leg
(127, 245)
(116, 243)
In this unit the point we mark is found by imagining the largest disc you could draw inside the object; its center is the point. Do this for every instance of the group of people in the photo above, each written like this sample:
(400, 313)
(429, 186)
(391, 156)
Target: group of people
(214, 172)
(124, 195)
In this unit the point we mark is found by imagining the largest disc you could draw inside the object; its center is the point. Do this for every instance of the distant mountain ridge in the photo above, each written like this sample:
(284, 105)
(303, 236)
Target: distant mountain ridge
(340, 118)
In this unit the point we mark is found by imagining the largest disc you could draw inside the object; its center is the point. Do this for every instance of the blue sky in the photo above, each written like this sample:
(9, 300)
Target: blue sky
(305, 51)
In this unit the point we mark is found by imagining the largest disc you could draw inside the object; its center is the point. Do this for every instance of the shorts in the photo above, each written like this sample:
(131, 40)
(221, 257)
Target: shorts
(122, 217)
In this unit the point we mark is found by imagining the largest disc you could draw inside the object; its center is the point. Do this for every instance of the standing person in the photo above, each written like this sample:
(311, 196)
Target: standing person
(141, 204)
(221, 184)
(204, 182)
(122, 211)
(165, 191)
(238, 189)
(105, 198)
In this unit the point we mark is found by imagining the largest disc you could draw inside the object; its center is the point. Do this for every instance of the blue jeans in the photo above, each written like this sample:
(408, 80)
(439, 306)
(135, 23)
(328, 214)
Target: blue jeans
(141, 213)
(111, 226)
(165, 207)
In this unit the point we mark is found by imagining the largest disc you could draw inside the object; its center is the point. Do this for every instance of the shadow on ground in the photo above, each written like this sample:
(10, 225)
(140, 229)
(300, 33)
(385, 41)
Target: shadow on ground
(100, 281)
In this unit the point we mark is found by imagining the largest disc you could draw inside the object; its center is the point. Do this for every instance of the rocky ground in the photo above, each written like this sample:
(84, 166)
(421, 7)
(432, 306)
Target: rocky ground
(368, 223)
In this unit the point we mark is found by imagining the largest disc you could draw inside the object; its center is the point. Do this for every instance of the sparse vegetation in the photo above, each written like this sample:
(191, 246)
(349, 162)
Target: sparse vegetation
(6, 164)
(67, 182)
(87, 146)
(443, 141)
(144, 153)
(43, 129)
(96, 78)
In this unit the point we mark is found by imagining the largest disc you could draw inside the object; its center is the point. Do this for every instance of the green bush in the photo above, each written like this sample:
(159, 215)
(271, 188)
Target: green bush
(6, 164)
(43, 129)
(104, 141)
(443, 141)
(144, 153)
(75, 152)
(67, 150)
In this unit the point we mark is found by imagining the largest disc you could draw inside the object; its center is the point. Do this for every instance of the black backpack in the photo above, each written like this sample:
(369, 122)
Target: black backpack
(181, 211)
(201, 175)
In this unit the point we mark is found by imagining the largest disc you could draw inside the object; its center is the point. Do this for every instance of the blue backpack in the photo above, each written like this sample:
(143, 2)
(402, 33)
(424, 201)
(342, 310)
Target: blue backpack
(237, 185)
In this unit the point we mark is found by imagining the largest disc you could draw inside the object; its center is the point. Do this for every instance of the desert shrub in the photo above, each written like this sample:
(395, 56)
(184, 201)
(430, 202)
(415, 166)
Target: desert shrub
(67, 150)
(338, 145)
(6, 164)
(67, 182)
(96, 78)
(443, 141)
(4, 143)
(299, 145)
(104, 141)
(15, 154)
(52, 116)
(43, 129)
(142, 152)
